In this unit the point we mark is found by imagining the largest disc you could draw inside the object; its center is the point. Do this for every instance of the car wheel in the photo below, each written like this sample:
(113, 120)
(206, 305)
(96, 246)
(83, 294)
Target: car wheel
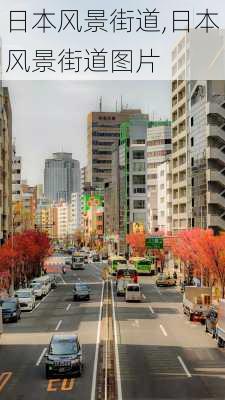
(88, 297)
(191, 317)
(206, 329)
(16, 319)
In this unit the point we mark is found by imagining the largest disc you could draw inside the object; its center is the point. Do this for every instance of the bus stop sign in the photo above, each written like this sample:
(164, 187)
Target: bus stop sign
(154, 242)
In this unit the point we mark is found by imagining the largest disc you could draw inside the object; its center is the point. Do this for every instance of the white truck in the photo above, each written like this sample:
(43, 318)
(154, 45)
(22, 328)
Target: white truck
(196, 301)
(220, 329)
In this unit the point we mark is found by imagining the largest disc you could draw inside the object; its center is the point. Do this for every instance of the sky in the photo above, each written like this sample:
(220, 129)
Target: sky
(50, 116)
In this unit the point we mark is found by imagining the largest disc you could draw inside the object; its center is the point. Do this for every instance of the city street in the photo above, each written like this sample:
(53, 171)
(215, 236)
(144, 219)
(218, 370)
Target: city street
(161, 354)
(22, 373)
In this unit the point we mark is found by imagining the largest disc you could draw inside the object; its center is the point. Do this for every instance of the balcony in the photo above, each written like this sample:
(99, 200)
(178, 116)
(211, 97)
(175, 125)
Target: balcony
(215, 176)
(216, 198)
(216, 221)
(215, 132)
(215, 153)
(214, 108)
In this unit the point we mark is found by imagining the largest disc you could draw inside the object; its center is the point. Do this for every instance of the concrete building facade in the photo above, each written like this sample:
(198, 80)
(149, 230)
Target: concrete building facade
(61, 177)
(164, 196)
(103, 132)
(132, 178)
(181, 211)
(158, 150)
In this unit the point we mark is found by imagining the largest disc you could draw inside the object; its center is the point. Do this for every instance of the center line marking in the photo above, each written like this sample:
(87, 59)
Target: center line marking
(151, 309)
(163, 330)
(58, 325)
(68, 307)
(184, 367)
(41, 356)
(144, 297)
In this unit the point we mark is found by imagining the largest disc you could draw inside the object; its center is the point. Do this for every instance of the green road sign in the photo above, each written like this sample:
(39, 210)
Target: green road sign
(154, 242)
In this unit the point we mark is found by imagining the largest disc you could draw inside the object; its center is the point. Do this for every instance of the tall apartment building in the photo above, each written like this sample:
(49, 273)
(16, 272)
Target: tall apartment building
(16, 190)
(103, 132)
(74, 213)
(207, 154)
(158, 150)
(164, 196)
(5, 165)
(181, 211)
(28, 205)
(61, 177)
(132, 178)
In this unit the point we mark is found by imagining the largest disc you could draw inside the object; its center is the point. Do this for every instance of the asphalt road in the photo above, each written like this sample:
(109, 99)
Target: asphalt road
(22, 373)
(161, 354)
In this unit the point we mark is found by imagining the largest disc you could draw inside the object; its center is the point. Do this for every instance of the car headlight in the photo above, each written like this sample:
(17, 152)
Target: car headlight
(14, 314)
(76, 361)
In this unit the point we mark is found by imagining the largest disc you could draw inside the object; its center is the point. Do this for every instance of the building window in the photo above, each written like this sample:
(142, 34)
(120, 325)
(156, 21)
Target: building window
(192, 141)
(139, 204)
(139, 190)
(138, 155)
(138, 179)
(192, 121)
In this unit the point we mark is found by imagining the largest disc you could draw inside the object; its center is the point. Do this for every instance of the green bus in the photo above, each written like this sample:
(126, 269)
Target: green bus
(144, 266)
(114, 261)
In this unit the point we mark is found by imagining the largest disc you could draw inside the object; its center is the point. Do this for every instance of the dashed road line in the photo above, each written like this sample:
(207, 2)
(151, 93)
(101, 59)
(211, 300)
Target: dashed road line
(58, 325)
(163, 330)
(41, 356)
(151, 309)
(68, 307)
(158, 291)
(184, 366)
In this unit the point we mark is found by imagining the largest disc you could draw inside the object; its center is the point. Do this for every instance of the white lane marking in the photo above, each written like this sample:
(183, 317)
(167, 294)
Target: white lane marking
(41, 356)
(144, 297)
(163, 330)
(68, 307)
(41, 301)
(58, 325)
(94, 377)
(151, 309)
(157, 290)
(64, 282)
(184, 366)
(118, 376)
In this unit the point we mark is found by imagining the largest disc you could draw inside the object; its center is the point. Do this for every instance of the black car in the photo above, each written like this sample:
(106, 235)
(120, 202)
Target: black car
(96, 258)
(81, 291)
(10, 309)
(64, 356)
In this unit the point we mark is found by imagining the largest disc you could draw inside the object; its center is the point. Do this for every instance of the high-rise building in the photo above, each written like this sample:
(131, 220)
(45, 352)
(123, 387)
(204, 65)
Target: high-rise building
(207, 154)
(158, 150)
(74, 213)
(103, 132)
(5, 166)
(164, 196)
(132, 178)
(61, 177)
(28, 205)
(16, 190)
(181, 211)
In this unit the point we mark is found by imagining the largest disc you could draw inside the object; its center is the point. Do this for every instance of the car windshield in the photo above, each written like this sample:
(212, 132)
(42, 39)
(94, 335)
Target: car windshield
(24, 294)
(133, 289)
(36, 285)
(8, 304)
(63, 347)
(81, 287)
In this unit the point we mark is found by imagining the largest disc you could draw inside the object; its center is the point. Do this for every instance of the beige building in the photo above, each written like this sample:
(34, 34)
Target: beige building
(5, 166)
(103, 132)
(164, 196)
(181, 218)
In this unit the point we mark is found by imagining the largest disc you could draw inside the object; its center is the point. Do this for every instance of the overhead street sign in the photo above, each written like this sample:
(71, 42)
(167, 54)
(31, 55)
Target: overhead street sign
(154, 242)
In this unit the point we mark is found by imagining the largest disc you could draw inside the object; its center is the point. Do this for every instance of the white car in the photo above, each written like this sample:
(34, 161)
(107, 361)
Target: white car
(26, 299)
(133, 292)
(38, 289)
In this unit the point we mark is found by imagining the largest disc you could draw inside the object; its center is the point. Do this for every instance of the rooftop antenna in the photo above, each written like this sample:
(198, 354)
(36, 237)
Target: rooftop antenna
(116, 105)
(100, 104)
